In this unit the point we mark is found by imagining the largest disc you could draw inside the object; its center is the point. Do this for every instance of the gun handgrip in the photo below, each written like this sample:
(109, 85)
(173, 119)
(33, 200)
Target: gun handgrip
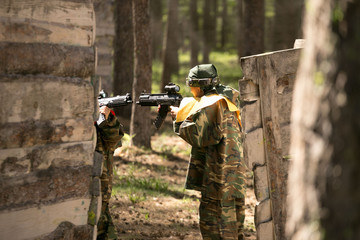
(160, 118)
(101, 120)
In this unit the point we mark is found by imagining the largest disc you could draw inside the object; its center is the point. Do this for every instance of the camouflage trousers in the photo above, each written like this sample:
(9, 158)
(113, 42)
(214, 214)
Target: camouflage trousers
(221, 219)
(106, 228)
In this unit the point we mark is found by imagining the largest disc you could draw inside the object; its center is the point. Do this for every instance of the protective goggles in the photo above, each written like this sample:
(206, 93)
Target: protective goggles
(202, 82)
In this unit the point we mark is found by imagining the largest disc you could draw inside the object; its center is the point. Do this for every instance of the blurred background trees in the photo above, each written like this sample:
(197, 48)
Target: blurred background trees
(189, 32)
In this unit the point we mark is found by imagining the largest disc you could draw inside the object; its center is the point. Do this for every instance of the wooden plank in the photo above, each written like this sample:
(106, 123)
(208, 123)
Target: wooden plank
(265, 231)
(254, 151)
(251, 115)
(261, 185)
(273, 69)
(45, 187)
(44, 98)
(32, 133)
(34, 222)
(248, 90)
(53, 21)
(22, 161)
(262, 212)
(78, 13)
(48, 59)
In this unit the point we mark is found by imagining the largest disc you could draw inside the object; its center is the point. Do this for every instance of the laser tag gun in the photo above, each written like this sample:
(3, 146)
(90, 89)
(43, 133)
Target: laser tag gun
(111, 102)
(165, 100)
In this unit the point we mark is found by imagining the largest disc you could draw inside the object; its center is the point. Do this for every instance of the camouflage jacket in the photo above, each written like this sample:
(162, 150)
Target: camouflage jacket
(109, 136)
(213, 129)
(108, 139)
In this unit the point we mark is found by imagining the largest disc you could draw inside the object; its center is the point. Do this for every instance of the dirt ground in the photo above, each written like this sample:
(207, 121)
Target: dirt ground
(159, 207)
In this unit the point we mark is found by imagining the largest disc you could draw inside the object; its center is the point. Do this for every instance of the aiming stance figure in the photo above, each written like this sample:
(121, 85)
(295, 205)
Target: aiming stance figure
(210, 123)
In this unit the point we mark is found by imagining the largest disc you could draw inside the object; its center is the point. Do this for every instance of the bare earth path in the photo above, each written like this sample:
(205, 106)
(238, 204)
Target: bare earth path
(149, 201)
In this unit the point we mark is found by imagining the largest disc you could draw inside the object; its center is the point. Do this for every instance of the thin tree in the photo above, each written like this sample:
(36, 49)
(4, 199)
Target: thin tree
(194, 33)
(253, 27)
(224, 24)
(209, 28)
(123, 45)
(171, 58)
(140, 126)
(324, 189)
(156, 11)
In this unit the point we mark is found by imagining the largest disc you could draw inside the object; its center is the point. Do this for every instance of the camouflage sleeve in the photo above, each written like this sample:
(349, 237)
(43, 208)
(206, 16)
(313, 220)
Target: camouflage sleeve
(112, 132)
(204, 127)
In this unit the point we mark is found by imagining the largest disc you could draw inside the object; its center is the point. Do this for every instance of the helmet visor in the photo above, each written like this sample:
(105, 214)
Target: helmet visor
(202, 82)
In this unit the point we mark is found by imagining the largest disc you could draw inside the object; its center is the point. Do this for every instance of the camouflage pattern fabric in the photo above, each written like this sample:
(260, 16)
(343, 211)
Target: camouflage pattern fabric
(108, 139)
(222, 219)
(216, 167)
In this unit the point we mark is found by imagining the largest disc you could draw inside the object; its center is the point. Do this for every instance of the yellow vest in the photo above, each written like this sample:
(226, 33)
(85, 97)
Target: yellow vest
(191, 105)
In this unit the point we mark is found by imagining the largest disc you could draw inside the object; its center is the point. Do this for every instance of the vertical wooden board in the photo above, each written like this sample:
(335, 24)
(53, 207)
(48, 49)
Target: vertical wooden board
(265, 231)
(261, 185)
(251, 115)
(248, 89)
(263, 212)
(53, 21)
(44, 98)
(273, 83)
(254, 152)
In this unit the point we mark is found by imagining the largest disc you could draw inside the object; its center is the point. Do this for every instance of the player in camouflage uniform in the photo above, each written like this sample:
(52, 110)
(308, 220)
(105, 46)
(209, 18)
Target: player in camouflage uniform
(210, 123)
(108, 138)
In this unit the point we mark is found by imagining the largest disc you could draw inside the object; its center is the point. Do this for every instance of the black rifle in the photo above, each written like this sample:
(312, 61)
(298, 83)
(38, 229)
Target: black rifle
(111, 102)
(165, 100)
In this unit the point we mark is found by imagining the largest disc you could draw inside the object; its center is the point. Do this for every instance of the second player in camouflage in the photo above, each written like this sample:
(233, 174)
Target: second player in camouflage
(108, 139)
(211, 125)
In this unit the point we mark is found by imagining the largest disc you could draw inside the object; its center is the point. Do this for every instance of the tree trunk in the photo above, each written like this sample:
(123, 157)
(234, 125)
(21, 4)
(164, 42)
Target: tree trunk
(240, 29)
(324, 200)
(140, 126)
(194, 33)
(206, 31)
(171, 59)
(284, 34)
(254, 27)
(224, 24)
(124, 54)
(156, 11)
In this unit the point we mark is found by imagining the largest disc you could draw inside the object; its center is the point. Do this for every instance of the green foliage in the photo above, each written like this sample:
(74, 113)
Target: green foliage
(138, 188)
(338, 14)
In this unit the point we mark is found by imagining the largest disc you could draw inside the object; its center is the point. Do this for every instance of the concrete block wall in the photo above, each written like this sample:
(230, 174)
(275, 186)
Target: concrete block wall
(50, 186)
(266, 94)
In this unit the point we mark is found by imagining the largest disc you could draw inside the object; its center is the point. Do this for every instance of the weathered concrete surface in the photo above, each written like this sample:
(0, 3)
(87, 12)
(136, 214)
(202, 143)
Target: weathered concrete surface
(32, 133)
(39, 220)
(49, 189)
(52, 21)
(48, 59)
(266, 93)
(39, 97)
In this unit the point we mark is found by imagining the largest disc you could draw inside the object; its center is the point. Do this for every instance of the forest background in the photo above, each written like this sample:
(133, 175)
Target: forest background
(157, 42)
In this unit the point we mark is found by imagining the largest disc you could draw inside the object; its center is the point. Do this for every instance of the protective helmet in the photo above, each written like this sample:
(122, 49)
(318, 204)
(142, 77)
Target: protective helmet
(204, 76)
